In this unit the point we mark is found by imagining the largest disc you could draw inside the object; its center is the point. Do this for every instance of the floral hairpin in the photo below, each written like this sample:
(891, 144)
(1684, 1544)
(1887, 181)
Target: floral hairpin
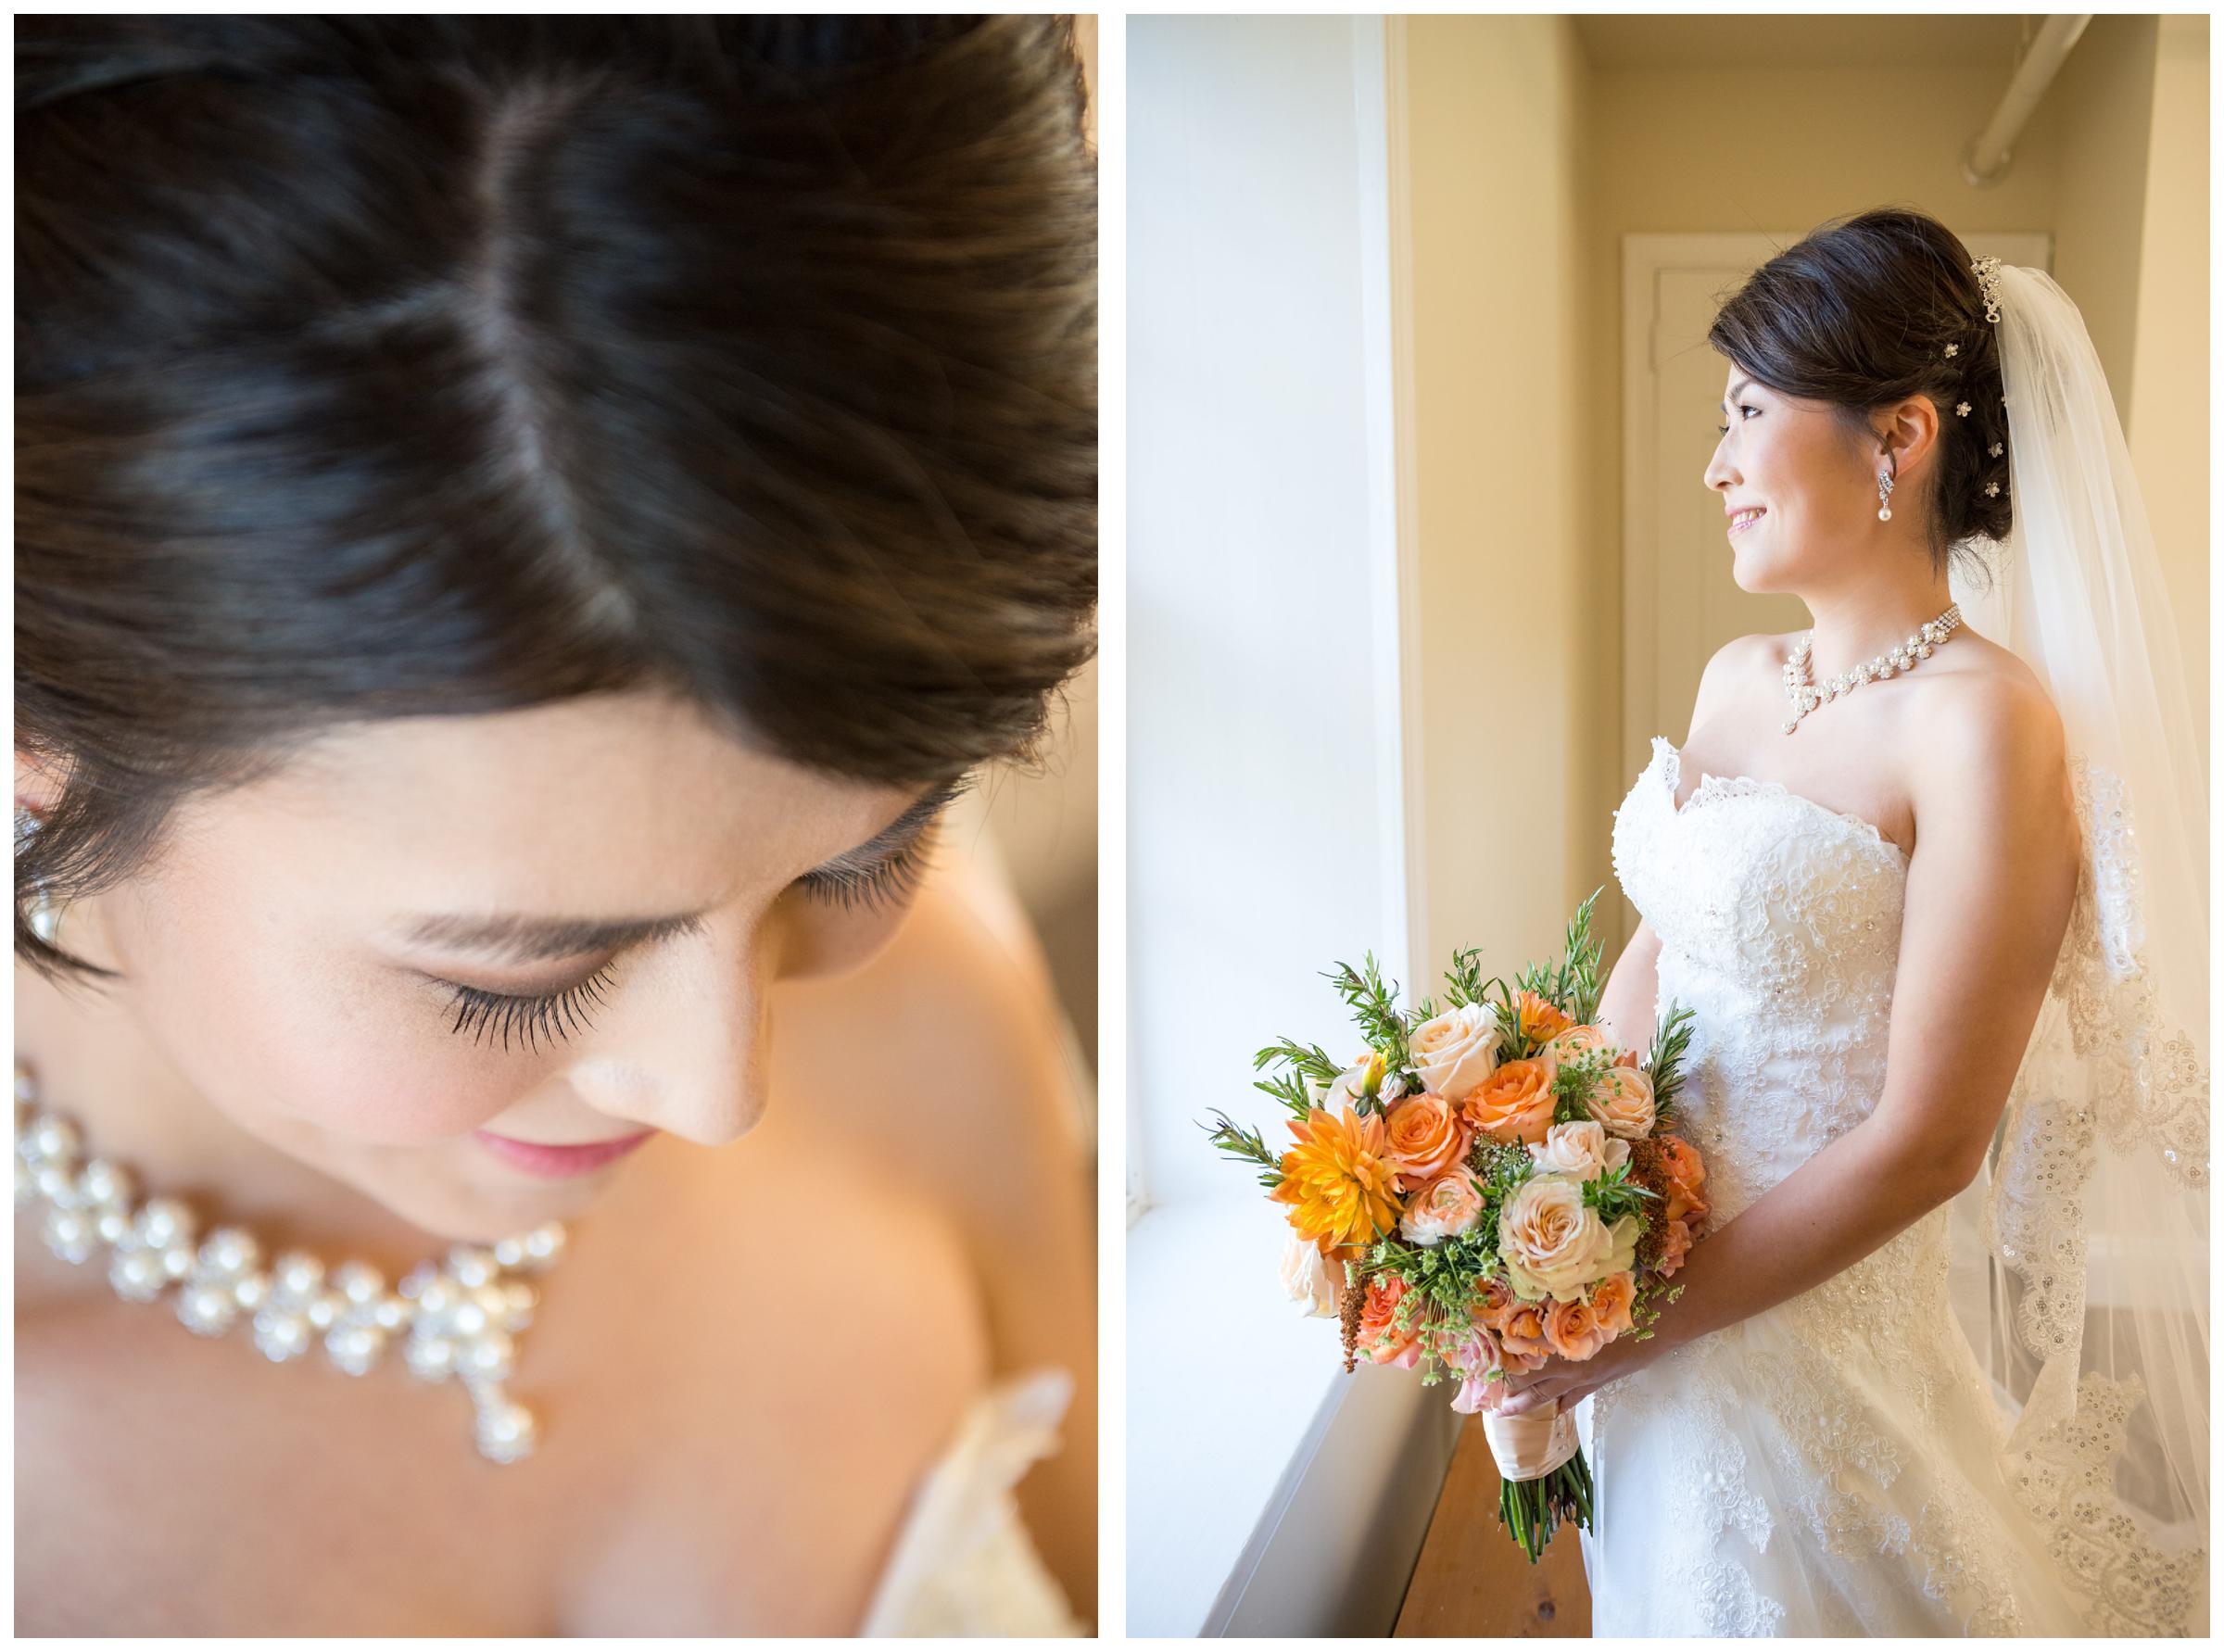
(1987, 271)
(1952, 350)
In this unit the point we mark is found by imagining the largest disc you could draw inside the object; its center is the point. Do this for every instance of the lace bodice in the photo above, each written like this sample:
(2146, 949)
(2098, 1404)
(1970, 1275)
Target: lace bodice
(1779, 923)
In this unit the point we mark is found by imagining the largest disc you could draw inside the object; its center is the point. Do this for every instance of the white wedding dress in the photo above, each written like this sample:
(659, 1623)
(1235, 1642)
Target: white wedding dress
(963, 1563)
(1839, 1464)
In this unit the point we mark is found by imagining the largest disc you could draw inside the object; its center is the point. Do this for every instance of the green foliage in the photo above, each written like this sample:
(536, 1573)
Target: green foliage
(1664, 1066)
(1300, 1064)
(1464, 982)
(1373, 1005)
(1500, 1167)
(1577, 1077)
(1574, 985)
(1614, 1196)
(1246, 1146)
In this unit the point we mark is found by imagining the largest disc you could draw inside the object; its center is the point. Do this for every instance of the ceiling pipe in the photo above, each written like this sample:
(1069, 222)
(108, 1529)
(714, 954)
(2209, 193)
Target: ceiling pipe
(1985, 162)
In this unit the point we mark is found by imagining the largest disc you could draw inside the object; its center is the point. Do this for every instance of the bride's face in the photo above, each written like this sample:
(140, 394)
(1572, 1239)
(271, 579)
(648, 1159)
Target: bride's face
(554, 926)
(1814, 489)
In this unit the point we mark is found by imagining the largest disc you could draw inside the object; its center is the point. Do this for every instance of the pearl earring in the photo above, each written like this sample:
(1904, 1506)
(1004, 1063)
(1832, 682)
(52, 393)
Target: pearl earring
(45, 916)
(1884, 496)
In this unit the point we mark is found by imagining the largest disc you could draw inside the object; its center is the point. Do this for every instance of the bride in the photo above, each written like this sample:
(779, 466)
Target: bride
(525, 528)
(1935, 898)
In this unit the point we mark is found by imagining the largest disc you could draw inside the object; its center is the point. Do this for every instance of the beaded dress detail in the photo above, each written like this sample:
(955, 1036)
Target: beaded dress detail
(1839, 1464)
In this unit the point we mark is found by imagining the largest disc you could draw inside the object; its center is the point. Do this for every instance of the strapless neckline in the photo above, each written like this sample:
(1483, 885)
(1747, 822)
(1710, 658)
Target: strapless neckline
(1711, 787)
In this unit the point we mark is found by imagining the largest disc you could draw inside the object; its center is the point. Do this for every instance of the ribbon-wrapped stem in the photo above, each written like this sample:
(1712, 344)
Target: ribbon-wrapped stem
(1542, 1478)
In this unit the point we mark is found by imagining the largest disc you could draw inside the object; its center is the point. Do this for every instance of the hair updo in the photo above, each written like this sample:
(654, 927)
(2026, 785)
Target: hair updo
(1860, 315)
(396, 366)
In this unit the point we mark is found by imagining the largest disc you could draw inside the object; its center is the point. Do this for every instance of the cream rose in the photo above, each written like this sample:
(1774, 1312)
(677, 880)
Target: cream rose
(1457, 1049)
(1577, 1040)
(1309, 1277)
(1582, 1150)
(1621, 1102)
(1555, 1245)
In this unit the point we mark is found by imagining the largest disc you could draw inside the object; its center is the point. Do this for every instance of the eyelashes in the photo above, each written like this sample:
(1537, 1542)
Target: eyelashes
(1723, 429)
(888, 882)
(553, 1015)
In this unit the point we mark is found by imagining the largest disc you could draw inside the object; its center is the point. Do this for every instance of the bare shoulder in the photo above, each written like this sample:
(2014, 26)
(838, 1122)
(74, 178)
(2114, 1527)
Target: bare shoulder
(967, 1037)
(1738, 662)
(1978, 710)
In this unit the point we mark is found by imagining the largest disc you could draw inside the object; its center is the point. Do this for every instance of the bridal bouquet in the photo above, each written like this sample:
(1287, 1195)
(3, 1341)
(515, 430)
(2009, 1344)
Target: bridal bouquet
(1488, 1185)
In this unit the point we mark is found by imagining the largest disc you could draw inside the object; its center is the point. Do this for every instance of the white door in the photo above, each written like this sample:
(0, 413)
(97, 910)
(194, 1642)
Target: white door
(1680, 603)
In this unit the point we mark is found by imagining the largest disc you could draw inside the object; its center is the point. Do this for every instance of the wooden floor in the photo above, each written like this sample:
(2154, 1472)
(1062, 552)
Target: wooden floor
(1471, 1579)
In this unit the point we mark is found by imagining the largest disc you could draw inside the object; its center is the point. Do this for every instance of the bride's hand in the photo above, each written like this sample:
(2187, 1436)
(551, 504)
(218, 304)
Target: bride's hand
(1565, 1382)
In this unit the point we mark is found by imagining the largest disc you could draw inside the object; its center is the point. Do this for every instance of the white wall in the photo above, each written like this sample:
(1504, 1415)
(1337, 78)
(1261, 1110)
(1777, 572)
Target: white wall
(1267, 1492)
(1255, 842)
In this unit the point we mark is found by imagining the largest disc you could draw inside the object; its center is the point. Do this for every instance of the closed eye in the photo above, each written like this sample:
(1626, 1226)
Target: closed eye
(885, 872)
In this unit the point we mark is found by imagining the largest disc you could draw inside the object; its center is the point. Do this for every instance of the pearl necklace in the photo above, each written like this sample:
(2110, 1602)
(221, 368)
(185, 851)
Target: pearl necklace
(460, 1318)
(1804, 696)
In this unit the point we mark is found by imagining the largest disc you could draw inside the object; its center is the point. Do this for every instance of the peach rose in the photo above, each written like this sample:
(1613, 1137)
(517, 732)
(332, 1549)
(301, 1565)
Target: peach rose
(1577, 1040)
(1628, 1058)
(1687, 1174)
(1522, 1345)
(1380, 1338)
(1540, 1018)
(1583, 1150)
(1426, 1138)
(1676, 1244)
(1515, 1103)
(1612, 1299)
(1456, 1051)
(1622, 1101)
(1494, 1300)
(1573, 1330)
(1449, 1205)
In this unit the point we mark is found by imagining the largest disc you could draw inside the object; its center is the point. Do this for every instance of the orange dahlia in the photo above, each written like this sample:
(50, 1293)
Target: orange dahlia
(1339, 1179)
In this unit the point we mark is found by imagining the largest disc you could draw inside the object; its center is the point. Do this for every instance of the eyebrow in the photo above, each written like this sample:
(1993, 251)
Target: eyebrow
(516, 938)
(1739, 388)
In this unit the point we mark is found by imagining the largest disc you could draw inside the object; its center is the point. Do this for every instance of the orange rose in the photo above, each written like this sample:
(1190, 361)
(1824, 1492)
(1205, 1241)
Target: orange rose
(1539, 1018)
(1515, 1103)
(1521, 1338)
(1573, 1330)
(1426, 1139)
(1687, 1174)
(1611, 1298)
(1628, 1058)
(1380, 1338)
(1623, 1102)
(1676, 1244)
(1494, 1300)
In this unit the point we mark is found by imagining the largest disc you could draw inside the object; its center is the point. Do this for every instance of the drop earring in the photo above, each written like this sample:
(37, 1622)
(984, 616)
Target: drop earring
(1884, 496)
(45, 916)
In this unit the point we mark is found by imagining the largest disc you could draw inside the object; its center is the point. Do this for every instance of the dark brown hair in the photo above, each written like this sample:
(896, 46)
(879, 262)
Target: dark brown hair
(1859, 314)
(381, 365)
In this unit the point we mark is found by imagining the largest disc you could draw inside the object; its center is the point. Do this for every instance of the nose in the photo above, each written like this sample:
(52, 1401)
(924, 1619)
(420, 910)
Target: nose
(1720, 473)
(685, 1052)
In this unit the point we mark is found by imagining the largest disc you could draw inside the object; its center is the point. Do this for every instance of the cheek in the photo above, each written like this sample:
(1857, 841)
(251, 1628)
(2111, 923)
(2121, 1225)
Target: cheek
(272, 1033)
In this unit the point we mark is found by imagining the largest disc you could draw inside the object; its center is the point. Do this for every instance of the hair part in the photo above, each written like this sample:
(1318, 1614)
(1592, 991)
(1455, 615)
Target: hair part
(373, 366)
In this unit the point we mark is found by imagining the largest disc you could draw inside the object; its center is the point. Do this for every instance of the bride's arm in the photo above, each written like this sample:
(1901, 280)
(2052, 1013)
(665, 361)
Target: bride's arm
(1988, 900)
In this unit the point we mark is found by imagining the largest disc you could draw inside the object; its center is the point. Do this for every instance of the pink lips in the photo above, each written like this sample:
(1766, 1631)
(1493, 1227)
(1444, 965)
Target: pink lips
(541, 1159)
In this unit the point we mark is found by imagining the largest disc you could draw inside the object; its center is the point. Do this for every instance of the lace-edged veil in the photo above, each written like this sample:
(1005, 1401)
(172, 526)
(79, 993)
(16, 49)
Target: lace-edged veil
(2091, 1318)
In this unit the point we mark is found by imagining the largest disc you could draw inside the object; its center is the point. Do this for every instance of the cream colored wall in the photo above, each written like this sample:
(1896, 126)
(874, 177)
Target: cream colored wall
(2167, 422)
(1515, 559)
(2100, 113)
